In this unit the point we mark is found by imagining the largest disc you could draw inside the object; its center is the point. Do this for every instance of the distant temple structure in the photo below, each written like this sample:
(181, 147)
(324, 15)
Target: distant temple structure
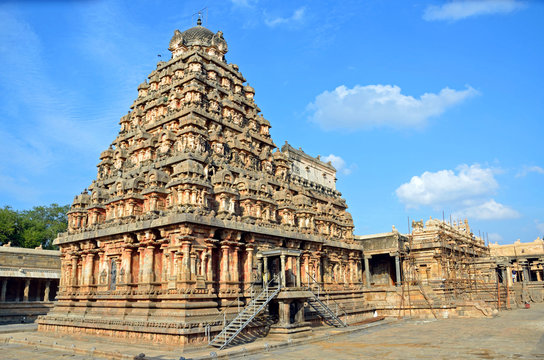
(29, 280)
(439, 269)
(194, 209)
(522, 267)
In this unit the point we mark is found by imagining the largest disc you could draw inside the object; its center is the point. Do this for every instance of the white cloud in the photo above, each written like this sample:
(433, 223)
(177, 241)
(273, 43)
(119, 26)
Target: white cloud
(489, 210)
(457, 10)
(297, 16)
(338, 163)
(445, 186)
(467, 191)
(529, 169)
(369, 106)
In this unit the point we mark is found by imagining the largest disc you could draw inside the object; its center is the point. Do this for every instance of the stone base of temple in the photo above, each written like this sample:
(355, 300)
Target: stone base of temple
(427, 302)
(23, 312)
(182, 322)
(290, 331)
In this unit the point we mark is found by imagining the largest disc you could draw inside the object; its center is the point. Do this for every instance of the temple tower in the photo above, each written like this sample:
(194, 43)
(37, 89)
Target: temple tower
(186, 197)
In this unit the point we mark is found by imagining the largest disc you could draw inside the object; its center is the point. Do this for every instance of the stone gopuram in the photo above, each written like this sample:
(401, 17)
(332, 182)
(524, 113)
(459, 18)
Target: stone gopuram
(192, 205)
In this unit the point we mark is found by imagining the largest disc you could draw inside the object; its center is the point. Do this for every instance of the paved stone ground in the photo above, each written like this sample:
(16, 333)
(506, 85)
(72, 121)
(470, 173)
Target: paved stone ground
(20, 352)
(516, 334)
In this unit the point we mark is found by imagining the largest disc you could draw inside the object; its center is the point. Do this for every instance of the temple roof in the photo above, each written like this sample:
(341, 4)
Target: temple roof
(197, 33)
(196, 143)
(199, 36)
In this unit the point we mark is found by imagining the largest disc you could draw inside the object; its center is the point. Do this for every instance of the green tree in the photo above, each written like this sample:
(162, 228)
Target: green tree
(32, 228)
(9, 226)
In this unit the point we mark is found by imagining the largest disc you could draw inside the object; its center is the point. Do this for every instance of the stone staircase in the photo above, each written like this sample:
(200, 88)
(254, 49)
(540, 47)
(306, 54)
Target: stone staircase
(258, 304)
(253, 308)
(324, 311)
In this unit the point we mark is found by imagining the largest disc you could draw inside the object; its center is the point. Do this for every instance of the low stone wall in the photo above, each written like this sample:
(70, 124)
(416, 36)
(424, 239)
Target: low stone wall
(23, 312)
(531, 291)
(424, 303)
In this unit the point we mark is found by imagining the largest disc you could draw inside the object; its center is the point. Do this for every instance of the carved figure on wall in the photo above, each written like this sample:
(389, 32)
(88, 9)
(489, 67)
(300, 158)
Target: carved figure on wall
(103, 277)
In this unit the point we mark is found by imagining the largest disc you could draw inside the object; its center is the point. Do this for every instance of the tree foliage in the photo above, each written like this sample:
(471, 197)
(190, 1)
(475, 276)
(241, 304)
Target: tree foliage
(32, 228)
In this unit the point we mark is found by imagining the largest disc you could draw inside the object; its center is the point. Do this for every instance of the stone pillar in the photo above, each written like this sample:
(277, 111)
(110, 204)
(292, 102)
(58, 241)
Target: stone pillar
(306, 266)
(358, 268)
(509, 276)
(73, 280)
(259, 268)
(47, 290)
(397, 270)
(224, 275)
(147, 270)
(203, 256)
(27, 290)
(209, 264)
(298, 279)
(367, 271)
(126, 264)
(319, 270)
(178, 259)
(164, 255)
(193, 265)
(538, 275)
(3, 290)
(526, 277)
(248, 272)
(88, 269)
(266, 277)
(282, 271)
(235, 266)
(186, 262)
(284, 312)
(64, 269)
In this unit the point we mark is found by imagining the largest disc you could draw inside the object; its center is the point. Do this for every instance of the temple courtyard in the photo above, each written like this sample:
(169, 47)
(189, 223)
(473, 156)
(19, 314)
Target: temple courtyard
(516, 334)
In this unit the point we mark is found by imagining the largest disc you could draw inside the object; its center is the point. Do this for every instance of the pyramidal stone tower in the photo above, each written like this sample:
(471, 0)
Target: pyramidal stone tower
(192, 205)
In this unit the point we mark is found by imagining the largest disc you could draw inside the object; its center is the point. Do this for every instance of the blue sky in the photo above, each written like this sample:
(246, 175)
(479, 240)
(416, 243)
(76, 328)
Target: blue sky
(424, 107)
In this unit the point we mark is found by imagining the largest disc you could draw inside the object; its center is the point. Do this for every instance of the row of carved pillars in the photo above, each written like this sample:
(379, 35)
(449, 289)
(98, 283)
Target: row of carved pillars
(342, 271)
(189, 263)
(229, 266)
(186, 264)
(17, 289)
(523, 271)
(307, 267)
